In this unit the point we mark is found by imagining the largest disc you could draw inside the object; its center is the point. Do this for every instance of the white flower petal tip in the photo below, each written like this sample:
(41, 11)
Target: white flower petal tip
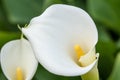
(54, 34)
(17, 59)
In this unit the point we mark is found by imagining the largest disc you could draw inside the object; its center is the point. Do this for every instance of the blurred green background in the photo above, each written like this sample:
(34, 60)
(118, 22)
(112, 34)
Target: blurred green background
(105, 13)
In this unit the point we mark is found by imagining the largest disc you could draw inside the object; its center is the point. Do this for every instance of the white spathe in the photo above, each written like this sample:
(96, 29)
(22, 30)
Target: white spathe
(18, 53)
(54, 34)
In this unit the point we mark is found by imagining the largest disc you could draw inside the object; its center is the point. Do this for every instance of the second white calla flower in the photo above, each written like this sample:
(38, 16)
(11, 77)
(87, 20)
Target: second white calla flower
(18, 61)
(60, 36)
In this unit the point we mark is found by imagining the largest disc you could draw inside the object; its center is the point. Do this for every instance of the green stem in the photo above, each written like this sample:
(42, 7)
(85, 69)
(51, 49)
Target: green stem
(21, 36)
(21, 31)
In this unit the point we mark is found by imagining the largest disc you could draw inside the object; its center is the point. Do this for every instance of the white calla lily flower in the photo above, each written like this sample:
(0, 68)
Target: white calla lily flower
(64, 39)
(18, 61)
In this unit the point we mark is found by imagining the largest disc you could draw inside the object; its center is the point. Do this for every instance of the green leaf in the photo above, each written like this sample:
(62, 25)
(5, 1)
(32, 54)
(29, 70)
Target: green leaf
(21, 11)
(107, 12)
(115, 75)
(43, 74)
(106, 47)
(7, 36)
